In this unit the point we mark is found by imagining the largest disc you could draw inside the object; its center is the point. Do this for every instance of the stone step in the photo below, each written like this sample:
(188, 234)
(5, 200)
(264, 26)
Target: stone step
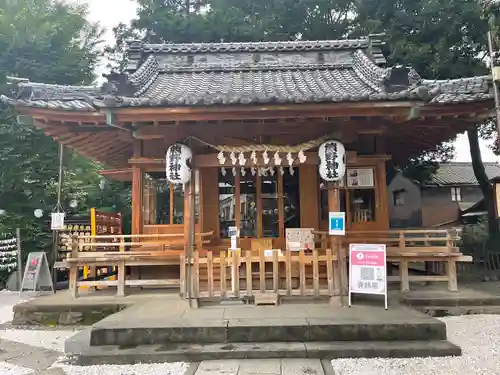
(276, 330)
(321, 350)
(440, 311)
(457, 301)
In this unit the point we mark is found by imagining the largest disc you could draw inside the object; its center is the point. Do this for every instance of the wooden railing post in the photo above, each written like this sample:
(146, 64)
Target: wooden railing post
(222, 265)
(235, 273)
(302, 273)
(73, 269)
(210, 272)
(275, 272)
(182, 277)
(248, 270)
(329, 272)
(288, 271)
(316, 273)
(121, 279)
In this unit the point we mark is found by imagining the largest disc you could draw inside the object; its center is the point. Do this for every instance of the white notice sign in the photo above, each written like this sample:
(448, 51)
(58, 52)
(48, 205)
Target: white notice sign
(367, 270)
(57, 221)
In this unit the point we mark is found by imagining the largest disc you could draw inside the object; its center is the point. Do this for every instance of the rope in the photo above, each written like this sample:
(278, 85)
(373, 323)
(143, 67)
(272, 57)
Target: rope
(267, 147)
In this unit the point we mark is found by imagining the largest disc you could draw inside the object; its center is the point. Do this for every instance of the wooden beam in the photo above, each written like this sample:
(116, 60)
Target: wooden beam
(376, 109)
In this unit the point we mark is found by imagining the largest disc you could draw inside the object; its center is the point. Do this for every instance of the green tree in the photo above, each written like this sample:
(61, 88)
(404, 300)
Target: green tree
(439, 38)
(45, 41)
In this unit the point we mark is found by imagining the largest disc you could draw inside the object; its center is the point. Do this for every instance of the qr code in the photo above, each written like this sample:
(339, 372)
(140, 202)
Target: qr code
(367, 274)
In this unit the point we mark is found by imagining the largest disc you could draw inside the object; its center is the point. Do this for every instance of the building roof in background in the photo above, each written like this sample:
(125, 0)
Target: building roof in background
(462, 173)
(203, 74)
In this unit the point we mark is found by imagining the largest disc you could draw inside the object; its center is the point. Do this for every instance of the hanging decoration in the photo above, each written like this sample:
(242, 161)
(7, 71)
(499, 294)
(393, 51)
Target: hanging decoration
(332, 161)
(8, 254)
(232, 156)
(293, 152)
(265, 157)
(292, 171)
(277, 159)
(253, 157)
(241, 159)
(253, 170)
(243, 172)
(221, 157)
(223, 171)
(282, 171)
(178, 160)
(302, 157)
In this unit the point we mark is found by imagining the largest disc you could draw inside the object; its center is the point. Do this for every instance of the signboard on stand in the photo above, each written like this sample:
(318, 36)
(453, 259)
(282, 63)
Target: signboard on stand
(368, 270)
(336, 223)
(37, 276)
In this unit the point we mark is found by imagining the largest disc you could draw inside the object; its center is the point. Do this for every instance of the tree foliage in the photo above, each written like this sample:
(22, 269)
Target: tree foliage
(45, 41)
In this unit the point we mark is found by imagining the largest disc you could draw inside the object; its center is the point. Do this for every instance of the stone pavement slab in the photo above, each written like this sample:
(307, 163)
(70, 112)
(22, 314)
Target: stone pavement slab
(263, 366)
(293, 366)
(27, 356)
(225, 367)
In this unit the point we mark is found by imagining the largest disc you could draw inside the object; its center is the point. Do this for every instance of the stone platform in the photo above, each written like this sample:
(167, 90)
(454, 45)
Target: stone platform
(62, 309)
(168, 330)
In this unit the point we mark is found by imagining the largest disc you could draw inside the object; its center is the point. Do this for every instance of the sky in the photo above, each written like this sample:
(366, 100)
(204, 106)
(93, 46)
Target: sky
(111, 12)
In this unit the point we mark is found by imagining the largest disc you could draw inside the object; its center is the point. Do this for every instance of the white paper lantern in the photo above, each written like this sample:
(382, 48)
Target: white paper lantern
(332, 161)
(178, 160)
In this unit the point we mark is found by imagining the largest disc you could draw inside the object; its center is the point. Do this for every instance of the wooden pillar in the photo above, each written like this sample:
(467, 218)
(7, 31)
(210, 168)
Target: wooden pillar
(340, 277)
(190, 225)
(137, 191)
(137, 195)
(137, 185)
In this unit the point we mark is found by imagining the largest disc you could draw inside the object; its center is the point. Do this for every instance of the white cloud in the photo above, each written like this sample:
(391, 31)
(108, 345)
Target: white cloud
(463, 150)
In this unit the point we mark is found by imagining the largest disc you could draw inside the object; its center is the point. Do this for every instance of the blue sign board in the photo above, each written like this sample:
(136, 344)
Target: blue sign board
(336, 223)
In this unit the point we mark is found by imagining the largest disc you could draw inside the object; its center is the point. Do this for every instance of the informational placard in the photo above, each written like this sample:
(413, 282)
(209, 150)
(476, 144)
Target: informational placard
(233, 234)
(336, 223)
(299, 238)
(37, 276)
(57, 221)
(362, 177)
(368, 270)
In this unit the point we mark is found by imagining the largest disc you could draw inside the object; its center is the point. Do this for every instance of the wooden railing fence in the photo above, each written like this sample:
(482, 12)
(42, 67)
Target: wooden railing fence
(291, 274)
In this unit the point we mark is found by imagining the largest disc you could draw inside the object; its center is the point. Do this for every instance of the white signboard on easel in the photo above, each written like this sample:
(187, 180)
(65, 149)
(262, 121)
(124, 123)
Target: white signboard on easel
(37, 276)
(368, 270)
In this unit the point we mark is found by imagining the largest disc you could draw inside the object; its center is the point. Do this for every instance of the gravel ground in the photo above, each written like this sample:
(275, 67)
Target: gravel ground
(54, 339)
(477, 335)
(141, 369)
(10, 369)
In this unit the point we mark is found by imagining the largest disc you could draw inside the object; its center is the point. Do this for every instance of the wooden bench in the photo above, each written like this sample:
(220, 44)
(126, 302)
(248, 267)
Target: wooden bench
(140, 254)
(418, 245)
(410, 246)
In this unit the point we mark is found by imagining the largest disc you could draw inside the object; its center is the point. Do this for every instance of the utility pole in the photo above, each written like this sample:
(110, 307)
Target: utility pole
(55, 235)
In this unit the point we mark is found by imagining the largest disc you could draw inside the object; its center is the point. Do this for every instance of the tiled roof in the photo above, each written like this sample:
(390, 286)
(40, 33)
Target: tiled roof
(202, 74)
(462, 173)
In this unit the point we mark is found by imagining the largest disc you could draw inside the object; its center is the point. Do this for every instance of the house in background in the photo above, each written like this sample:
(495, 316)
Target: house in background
(450, 194)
